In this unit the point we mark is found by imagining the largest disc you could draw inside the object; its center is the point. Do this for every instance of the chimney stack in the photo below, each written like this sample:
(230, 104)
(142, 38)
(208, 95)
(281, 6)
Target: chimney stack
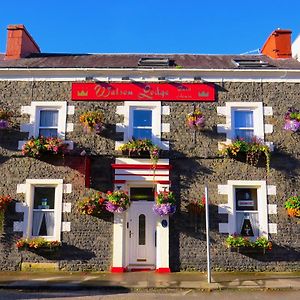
(278, 44)
(19, 43)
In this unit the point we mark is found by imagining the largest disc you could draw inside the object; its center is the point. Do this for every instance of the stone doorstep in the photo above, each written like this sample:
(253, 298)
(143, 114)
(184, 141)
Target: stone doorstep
(38, 267)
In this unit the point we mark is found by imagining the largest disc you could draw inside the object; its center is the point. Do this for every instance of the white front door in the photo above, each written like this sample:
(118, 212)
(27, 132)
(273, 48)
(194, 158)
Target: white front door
(141, 233)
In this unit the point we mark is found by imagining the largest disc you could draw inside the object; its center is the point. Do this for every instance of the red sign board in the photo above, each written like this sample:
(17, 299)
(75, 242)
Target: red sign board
(143, 91)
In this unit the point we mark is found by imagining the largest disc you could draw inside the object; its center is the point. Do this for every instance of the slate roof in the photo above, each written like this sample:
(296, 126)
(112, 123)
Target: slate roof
(185, 61)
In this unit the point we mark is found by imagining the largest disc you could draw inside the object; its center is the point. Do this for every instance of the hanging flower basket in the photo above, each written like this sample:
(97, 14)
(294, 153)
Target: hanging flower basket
(117, 201)
(237, 243)
(4, 202)
(165, 203)
(37, 244)
(5, 118)
(196, 119)
(252, 151)
(292, 206)
(197, 207)
(92, 205)
(92, 121)
(292, 120)
(36, 147)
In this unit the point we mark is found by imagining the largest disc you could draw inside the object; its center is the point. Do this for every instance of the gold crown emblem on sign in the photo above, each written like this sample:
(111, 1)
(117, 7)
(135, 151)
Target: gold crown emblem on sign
(82, 93)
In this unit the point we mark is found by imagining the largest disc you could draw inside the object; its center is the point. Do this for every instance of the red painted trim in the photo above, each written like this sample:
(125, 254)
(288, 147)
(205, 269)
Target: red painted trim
(163, 182)
(119, 181)
(141, 167)
(117, 269)
(135, 174)
(163, 270)
(87, 163)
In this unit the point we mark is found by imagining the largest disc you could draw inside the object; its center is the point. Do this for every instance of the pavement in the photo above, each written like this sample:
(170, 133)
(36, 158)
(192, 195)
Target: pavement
(149, 280)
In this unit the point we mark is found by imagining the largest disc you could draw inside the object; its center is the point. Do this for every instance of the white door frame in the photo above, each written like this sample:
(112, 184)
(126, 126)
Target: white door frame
(120, 246)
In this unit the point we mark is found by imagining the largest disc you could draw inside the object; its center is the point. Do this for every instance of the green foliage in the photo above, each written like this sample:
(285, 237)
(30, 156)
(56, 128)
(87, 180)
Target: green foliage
(236, 241)
(292, 204)
(137, 147)
(164, 197)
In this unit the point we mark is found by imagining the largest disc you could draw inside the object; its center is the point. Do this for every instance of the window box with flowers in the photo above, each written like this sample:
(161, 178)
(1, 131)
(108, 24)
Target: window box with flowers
(165, 203)
(292, 120)
(141, 148)
(4, 202)
(92, 121)
(37, 244)
(5, 117)
(36, 147)
(249, 151)
(117, 201)
(242, 244)
(292, 205)
(92, 205)
(196, 119)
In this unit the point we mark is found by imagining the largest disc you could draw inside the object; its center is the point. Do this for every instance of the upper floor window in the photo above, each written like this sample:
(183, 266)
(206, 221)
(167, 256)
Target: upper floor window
(141, 123)
(48, 123)
(243, 125)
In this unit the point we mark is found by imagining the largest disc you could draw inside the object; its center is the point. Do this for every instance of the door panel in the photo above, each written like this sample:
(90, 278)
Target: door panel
(141, 235)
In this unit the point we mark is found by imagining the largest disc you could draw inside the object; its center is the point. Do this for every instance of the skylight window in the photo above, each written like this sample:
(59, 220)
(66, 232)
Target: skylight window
(155, 62)
(251, 63)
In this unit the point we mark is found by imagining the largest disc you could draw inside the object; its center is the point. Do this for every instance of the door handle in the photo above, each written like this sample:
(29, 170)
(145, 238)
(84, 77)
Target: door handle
(130, 234)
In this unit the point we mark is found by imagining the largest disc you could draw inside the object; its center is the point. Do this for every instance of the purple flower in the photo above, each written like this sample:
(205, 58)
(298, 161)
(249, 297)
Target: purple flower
(164, 209)
(292, 125)
(114, 208)
(3, 124)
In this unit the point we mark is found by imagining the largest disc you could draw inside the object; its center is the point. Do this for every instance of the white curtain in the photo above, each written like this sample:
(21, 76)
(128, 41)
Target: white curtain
(37, 222)
(49, 217)
(242, 121)
(48, 118)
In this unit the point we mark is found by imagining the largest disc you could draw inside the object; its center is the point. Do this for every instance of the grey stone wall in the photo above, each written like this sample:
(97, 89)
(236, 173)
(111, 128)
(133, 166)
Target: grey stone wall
(195, 160)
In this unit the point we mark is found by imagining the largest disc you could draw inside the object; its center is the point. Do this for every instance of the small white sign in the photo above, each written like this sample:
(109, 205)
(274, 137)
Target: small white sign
(245, 203)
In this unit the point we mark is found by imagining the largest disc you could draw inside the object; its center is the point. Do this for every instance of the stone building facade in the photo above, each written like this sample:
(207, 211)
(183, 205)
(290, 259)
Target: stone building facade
(264, 85)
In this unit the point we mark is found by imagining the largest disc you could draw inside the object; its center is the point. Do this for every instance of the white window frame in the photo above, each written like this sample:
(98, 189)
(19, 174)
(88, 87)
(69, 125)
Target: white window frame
(29, 198)
(131, 127)
(47, 127)
(242, 128)
(126, 126)
(262, 204)
(258, 118)
(39, 106)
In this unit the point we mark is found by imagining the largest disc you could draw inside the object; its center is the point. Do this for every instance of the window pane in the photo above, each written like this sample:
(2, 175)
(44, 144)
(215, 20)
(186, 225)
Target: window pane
(142, 230)
(142, 194)
(48, 132)
(142, 117)
(243, 119)
(44, 197)
(246, 199)
(244, 134)
(247, 224)
(142, 133)
(43, 223)
(48, 118)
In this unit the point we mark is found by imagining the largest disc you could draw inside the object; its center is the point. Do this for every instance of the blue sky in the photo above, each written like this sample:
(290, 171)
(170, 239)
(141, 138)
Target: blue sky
(154, 26)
